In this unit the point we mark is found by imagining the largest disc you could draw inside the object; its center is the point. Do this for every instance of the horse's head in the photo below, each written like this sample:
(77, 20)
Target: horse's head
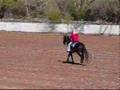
(66, 39)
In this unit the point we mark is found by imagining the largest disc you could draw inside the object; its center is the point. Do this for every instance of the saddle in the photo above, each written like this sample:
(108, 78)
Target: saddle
(73, 44)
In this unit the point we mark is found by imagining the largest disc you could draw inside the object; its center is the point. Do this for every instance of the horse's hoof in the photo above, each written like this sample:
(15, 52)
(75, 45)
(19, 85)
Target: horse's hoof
(82, 64)
(73, 62)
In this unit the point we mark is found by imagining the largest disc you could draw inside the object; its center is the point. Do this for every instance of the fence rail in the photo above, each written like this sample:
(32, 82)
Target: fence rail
(60, 27)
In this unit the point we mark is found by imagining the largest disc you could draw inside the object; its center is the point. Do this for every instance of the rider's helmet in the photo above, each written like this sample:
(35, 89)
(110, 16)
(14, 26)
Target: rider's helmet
(74, 32)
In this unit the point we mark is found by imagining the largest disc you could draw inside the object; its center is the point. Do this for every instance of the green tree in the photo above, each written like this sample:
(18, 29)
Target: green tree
(9, 3)
(78, 8)
(53, 12)
(72, 10)
(15, 7)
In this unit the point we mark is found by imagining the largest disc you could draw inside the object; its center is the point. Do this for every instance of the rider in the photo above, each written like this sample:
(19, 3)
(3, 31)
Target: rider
(74, 38)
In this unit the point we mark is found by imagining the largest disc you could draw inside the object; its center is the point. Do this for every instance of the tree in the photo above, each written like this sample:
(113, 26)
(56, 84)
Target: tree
(2, 11)
(13, 7)
(27, 8)
(52, 11)
(107, 10)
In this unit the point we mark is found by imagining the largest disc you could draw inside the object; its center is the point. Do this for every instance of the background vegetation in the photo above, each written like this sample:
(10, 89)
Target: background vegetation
(62, 10)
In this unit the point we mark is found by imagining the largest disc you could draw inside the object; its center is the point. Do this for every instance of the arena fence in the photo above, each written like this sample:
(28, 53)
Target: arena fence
(84, 28)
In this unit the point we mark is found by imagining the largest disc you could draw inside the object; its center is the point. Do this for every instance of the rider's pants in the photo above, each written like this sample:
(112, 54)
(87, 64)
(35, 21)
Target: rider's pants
(69, 47)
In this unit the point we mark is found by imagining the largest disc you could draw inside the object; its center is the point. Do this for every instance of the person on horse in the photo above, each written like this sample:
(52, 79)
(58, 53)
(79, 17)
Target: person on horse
(74, 36)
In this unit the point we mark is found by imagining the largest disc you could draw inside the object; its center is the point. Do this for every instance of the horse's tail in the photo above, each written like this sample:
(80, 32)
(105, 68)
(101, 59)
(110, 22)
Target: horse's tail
(86, 53)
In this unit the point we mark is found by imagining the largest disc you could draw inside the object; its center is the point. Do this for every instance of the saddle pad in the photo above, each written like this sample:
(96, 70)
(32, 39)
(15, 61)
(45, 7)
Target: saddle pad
(73, 45)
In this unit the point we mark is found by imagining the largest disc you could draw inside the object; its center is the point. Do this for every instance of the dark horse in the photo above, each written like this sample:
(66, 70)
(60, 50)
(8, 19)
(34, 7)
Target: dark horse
(79, 48)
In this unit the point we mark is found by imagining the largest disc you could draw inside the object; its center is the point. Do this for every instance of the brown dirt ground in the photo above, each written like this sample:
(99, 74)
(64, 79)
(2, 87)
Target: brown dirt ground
(35, 61)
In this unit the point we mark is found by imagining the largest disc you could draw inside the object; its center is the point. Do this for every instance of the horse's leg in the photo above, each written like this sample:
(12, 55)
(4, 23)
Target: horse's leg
(72, 58)
(68, 57)
(81, 56)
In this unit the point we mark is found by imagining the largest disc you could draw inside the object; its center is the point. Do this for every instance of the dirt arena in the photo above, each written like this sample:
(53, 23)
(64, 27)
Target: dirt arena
(35, 61)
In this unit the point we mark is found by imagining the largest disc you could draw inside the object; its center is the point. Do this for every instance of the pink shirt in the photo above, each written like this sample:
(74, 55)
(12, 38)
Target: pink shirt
(74, 37)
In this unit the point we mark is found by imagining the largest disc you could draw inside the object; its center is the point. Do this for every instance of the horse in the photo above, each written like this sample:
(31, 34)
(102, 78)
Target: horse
(79, 48)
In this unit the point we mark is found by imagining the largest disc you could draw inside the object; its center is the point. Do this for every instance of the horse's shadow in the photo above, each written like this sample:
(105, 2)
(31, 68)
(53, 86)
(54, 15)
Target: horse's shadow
(71, 63)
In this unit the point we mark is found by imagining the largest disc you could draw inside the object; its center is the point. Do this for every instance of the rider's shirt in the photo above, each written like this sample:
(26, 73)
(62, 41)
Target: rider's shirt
(74, 37)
